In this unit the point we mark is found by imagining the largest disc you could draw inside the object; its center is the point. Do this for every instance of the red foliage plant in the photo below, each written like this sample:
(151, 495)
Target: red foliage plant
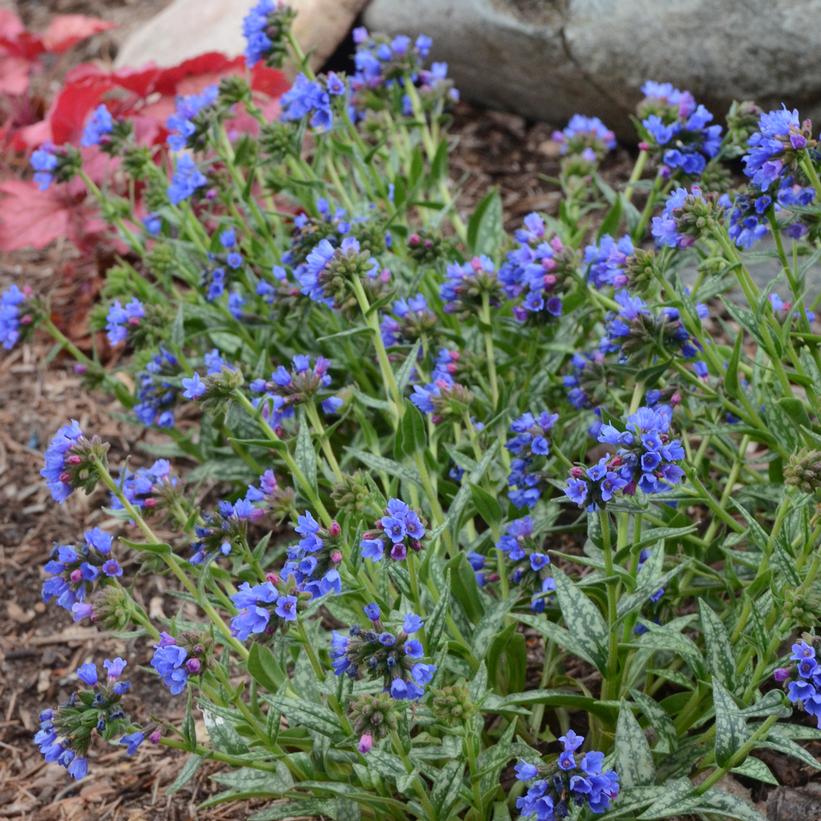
(145, 96)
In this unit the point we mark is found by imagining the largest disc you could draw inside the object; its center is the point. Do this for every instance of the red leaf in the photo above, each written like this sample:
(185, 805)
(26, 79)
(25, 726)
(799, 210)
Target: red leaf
(14, 75)
(29, 217)
(10, 24)
(269, 81)
(66, 30)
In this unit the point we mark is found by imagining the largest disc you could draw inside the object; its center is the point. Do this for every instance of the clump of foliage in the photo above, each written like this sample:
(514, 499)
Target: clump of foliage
(507, 524)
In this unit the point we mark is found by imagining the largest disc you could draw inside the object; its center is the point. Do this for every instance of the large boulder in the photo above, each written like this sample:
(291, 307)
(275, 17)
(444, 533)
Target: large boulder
(186, 28)
(547, 59)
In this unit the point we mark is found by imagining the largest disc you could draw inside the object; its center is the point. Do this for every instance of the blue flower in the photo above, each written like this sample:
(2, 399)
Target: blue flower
(169, 661)
(186, 180)
(98, 127)
(181, 123)
(585, 134)
(87, 673)
(307, 98)
(646, 460)
(774, 148)
(132, 742)
(401, 526)
(11, 304)
(58, 470)
(607, 261)
(120, 319)
(44, 162)
(194, 386)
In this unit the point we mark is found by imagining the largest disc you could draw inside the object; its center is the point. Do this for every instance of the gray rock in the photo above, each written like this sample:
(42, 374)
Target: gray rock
(548, 59)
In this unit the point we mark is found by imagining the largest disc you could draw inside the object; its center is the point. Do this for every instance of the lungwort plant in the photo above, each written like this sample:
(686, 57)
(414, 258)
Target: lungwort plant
(462, 524)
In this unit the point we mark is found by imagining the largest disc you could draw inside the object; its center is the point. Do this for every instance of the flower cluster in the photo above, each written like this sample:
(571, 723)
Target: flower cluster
(444, 397)
(146, 488)
(399, 530)
(312, 563)
(774, 150)
(256, 603)
(65, 733)
(645, 460)
(121, 319)
(184, 125)
(688, 216)
(392, 656)
(219, 531)
(99, 125)
(70, 461)
(157, 392)
(13, 315)
(412, 319)
(530, 446)
(805, 688)
(175, 663)
(328, 273)
(74, 572)
(536, 273)
(265, 28)
(550, 797)
(607, 261)
(678, 128)
(530, 565)
(469, 284)
(635, 329)
(381, 65)
(186, 181)
(312, 98)
(587, 136)
(304, 382)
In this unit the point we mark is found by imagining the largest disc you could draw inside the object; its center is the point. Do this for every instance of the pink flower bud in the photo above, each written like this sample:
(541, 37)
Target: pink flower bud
(65, 477)
(151, 502)
(643, 146)
(334, 529)
(675, 399)
(155, 737)
(365, 743)
(414, 240)
(781, 674)
(79, 368)
(193, 666)
(273, 578)
(576, 472)
(336, 556)
(26, 319)
(557, 245)
(74, 459)
(76, 575)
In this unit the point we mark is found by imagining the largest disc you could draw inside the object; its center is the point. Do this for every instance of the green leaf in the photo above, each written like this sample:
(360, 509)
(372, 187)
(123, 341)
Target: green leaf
(488, 627)
(583, 619)
(192, 764)
(670, 801)
(485, 232)
(250, 778)
(435, 625)
(731, 728)
(553, 698)
(668, 639)
(755, 768)
(634, 761)
(658, 720)
(412, 435)
(720, 657)
(731, 382)
(558, 634)
(403, 375)
(156, 549)
(264, 668)
(446, 787)
(718, 802)
(305, 454)
(507, 661)
(309, 808)
(610, 223)
(487, 506)
(178, 329)
(308, 714)
(222, 731)
(389, 466)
